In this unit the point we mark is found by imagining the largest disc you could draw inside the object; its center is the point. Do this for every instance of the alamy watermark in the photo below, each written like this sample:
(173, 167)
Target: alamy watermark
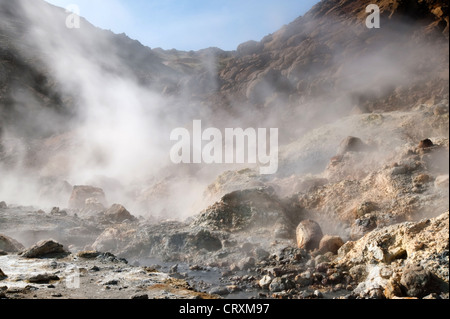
(73, 18)
(228, 147)
(373, 20)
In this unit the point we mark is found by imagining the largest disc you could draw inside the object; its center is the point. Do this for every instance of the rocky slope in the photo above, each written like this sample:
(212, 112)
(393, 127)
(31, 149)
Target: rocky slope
(329, 60)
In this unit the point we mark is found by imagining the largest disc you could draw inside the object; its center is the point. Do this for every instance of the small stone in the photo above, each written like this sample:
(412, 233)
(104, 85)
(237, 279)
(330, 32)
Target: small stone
(174, 269)
(422, 179)
(338, 287)
(234, 268)
(321, 259)
(376, 293)
(392, 290)
(113, 282)
(196, 268)
(365, 208)
(221, 291)
(140, 297)
(118, 213)
(335, 277)
(323, 267)
(233, 288)
(362, 226)
(318, 294)
(431, 296)
(311, 263)
(265, 282)
(427, 143)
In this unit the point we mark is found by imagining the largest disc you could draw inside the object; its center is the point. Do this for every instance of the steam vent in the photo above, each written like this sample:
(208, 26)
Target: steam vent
(309, 163)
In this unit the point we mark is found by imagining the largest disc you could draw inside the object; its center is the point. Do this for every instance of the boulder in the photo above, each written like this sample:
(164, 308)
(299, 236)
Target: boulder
(81, 193)
(351, 144)
(277, 285)
(304, 279)
(309, 235)
(118, 213)
(43, 278)
(442, 181)
(365, 208)
(330, 244)
(2, 275)
(57, 212)
(205, 239)
(88, 254)
(45, 249)
(243, 210)
(416, 280)
(392, 290)
(3, 205)
(10, 245)
(139, 297)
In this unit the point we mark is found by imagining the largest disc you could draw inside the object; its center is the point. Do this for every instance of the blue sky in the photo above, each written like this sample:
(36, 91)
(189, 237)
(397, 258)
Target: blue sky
(191, 24)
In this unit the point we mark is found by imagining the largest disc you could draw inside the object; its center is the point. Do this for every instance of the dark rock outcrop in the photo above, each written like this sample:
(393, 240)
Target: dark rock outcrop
(45, 249)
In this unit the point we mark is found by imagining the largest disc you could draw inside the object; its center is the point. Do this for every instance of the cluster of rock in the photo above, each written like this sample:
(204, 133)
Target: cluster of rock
(48, 271)
(407, 260)
(231, 235)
